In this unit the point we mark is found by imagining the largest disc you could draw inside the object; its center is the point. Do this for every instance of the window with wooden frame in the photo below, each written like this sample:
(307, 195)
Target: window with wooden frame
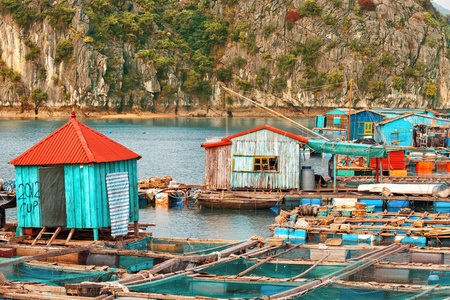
(265, 164)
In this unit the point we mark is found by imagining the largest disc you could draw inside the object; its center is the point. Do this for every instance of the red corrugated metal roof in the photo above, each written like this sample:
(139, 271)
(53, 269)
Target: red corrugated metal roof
(227, 140)
(74, 143)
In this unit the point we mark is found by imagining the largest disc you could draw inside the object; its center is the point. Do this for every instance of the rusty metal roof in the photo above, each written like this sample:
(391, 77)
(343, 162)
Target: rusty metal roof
(227, 140)
(74, 143)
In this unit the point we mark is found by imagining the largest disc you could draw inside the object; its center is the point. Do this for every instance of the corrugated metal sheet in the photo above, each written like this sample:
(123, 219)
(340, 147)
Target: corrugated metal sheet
(85, 191)
(74, 143)
(227, 140)
(394, 161)
(265, 143)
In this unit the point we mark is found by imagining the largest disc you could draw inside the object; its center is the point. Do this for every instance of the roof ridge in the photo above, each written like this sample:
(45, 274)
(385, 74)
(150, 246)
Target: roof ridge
(76, 126)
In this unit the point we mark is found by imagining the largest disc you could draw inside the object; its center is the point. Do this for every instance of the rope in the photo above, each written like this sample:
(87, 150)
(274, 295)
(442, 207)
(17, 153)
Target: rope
(259, 239)
(219, 255)
(114, 285)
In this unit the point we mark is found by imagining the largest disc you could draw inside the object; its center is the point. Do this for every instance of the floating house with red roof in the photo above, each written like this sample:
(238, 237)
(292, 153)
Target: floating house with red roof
(260, 158)
(67, 181)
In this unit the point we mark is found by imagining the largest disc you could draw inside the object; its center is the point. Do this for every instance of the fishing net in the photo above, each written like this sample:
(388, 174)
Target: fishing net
(346, 292)
(179, 247)
(269, 269)
(52, 275)
(183, 285)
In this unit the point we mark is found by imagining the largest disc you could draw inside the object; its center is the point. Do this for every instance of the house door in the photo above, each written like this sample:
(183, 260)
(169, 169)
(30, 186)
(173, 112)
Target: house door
(52, 194)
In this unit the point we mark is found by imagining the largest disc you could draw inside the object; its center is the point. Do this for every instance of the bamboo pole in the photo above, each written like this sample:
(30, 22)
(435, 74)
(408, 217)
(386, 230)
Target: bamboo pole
(424, 293)
(342, 273)
(52, 253)
(309, 269)
(171, 262)
(212, 249)
(254, 266)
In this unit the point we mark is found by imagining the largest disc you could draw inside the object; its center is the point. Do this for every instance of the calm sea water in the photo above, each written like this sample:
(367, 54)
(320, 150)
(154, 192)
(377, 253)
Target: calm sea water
(169, 146)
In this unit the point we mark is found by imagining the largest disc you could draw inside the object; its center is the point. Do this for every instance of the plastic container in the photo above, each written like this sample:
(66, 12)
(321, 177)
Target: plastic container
(441, 166)
(424, 167)
(433, 278)
(308, 182)
(162, 199)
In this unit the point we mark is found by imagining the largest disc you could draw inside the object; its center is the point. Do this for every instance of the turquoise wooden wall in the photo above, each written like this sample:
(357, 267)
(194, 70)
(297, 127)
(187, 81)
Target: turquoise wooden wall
(265, 143)
(86, 195)
(27, 196)
(399, 132)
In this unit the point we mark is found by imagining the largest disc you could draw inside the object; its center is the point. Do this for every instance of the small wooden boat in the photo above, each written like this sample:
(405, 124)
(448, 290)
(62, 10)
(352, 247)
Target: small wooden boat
(238, 200)
(7, 252)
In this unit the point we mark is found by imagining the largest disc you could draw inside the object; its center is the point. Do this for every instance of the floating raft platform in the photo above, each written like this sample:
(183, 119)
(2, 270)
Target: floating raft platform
(239, 200)
(353, 222)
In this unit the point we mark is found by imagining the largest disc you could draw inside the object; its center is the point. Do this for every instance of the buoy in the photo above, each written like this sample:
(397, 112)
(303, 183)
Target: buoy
(433, 277)
(109, 131)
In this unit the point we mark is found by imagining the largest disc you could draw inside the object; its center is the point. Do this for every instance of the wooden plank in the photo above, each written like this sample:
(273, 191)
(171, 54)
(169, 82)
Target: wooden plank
(77, 197)
(72, 231)
(50, 241)
(35, 197)
(38, 236)
(87, 207)
(69, 194)
(98, 199)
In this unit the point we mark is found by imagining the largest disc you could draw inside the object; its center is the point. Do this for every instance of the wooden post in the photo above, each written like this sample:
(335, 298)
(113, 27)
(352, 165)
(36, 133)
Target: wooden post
(349, 110)
(381, 170)
(136, 228)
(377, 169)
(334, 172)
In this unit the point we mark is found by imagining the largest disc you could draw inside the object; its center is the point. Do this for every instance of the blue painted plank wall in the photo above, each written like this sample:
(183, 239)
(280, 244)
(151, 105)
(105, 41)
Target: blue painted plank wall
(27, 195)
(400, 131)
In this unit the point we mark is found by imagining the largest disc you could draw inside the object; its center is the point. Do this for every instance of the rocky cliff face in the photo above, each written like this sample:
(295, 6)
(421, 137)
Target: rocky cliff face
(173, 57)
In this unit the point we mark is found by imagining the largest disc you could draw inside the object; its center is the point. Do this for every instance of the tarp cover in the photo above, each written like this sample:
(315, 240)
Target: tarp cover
(347, 148)
(119, 199)
(52, 196)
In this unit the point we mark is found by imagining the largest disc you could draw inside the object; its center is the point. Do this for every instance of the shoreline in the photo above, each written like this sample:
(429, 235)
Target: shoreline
(65, 113)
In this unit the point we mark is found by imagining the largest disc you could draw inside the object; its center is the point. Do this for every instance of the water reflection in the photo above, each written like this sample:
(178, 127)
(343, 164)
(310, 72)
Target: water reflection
(168, 146)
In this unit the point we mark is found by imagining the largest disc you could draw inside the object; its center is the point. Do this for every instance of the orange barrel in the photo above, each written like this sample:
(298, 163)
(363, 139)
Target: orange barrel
(162, 199)
(441, 166)
(424, 167)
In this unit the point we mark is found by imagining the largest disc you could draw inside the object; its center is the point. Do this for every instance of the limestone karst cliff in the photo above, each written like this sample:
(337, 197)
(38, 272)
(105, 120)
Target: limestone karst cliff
(172, 56)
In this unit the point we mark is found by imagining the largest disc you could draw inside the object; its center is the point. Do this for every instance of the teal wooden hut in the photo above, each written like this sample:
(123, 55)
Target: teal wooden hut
(77, 178)
(263, 158)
